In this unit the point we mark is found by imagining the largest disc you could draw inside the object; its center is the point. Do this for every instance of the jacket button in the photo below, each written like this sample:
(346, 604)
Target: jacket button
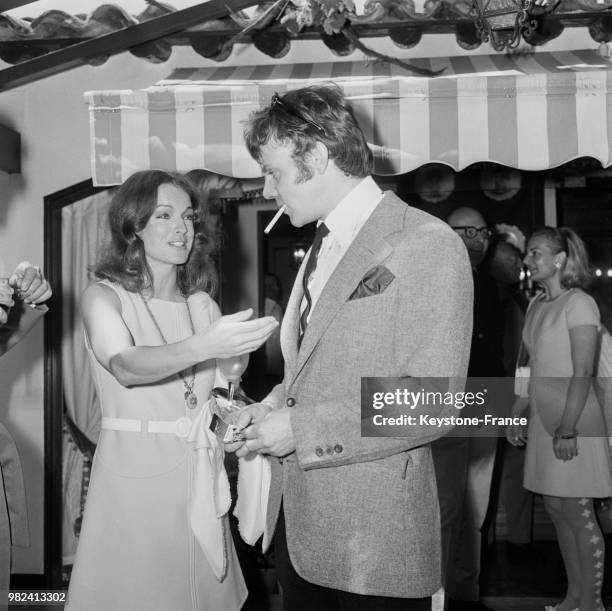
(329, 450)
(319, 452)
(290, 402)
(338, 448)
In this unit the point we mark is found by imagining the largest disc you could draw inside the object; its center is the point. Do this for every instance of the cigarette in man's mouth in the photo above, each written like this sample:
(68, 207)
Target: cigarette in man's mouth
(276, 217)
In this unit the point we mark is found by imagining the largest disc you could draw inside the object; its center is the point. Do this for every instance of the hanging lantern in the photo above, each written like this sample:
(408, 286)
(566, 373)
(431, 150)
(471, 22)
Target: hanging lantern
(434, 182)
(502, 22)
(500, 183)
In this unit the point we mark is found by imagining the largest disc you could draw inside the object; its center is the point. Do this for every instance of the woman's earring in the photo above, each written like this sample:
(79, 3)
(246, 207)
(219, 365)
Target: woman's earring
(558, 264)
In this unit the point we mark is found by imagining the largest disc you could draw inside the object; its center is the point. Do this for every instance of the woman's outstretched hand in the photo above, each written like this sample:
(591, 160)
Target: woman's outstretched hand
(235, 334)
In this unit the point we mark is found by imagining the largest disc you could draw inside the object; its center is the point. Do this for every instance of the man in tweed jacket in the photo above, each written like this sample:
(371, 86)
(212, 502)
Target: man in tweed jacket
(355, 520)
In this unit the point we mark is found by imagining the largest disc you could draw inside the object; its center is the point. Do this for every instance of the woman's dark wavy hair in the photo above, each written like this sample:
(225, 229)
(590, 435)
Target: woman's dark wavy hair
(324, 105)
(124, 260)
(576, 271)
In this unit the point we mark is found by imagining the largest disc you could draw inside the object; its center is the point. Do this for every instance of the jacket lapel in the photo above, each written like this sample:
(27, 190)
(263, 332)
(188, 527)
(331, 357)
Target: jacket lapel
(369, 248)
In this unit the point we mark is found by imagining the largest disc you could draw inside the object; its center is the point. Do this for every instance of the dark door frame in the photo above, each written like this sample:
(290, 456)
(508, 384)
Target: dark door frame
(53, 384)
(53, 381)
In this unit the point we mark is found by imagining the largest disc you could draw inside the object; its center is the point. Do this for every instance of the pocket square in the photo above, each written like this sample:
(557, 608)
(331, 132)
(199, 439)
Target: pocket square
(374, 282)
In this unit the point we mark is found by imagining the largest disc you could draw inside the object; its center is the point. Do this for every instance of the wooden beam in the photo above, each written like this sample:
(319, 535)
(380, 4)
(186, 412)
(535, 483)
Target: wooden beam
(379, 29)
(7, 5)
(115, 42)
(10, 150)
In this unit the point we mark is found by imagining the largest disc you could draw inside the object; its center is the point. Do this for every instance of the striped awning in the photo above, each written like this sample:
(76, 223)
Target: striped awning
(528, 111)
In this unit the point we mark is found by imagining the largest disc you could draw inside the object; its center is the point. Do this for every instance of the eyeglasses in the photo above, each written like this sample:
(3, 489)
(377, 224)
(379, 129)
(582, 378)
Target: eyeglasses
(293, 111)
(471, 232)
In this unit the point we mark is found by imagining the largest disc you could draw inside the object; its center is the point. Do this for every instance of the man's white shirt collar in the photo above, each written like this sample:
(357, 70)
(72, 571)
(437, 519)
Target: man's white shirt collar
(349, 216)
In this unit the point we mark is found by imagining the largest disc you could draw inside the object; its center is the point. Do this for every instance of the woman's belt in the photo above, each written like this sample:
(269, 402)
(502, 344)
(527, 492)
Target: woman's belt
(181, 427)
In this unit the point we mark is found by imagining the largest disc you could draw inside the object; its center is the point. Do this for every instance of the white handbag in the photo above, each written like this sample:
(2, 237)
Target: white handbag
(522, 373)
(602, 381)
(521, 381)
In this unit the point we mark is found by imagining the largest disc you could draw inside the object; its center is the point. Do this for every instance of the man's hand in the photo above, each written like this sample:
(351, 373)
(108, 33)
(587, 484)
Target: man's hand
(272, 435)
(247, 416)
(516, 434)
(6, 302)
(31, 286)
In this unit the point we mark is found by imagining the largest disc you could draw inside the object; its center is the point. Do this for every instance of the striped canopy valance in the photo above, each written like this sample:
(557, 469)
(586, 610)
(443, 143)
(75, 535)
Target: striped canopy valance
(528, 111)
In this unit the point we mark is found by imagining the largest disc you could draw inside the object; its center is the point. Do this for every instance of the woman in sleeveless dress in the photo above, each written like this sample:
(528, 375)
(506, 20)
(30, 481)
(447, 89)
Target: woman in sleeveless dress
(155, 534)
(567, 456)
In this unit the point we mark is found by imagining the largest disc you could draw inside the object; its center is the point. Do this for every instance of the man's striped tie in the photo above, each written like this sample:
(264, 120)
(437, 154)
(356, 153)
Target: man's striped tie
(311, 265)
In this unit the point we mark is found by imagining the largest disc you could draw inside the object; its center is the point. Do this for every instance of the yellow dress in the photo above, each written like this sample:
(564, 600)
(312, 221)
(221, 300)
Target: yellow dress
(137, 549)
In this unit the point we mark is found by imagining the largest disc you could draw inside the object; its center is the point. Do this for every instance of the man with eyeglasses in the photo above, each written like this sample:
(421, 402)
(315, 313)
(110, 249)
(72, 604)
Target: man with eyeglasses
(464, 465)
(384, 291)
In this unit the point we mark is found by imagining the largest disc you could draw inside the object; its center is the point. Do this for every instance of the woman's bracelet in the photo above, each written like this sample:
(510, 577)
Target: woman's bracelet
(559, 435)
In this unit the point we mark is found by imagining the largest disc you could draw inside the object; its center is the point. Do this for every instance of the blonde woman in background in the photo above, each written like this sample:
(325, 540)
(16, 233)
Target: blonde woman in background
(566, 461)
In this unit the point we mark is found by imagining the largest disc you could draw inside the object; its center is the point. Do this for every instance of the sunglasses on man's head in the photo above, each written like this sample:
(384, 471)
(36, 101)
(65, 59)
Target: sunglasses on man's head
(290, 109)
(471, 232)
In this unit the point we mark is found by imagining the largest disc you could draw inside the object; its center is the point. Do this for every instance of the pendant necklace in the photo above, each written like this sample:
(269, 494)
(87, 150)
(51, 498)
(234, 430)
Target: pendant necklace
(191, 400)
